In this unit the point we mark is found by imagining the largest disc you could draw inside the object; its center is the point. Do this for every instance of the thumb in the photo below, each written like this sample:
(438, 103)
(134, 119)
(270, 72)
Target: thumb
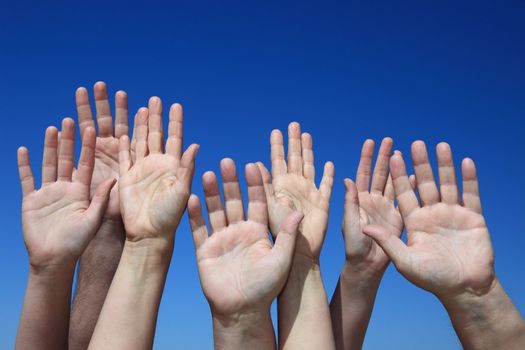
(285, 243)
(100, 200)
(392, 245)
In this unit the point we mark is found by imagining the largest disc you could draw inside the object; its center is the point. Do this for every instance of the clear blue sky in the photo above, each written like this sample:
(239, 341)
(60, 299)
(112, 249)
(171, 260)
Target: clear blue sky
(435, 70)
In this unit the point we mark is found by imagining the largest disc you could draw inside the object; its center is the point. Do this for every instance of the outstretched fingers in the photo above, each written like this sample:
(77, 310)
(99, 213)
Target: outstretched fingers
(155, 131)
(85, 116)
(406, 198)
(174, 142)
(86, 162)
(104, 119)
(139, 145)
(216, 215)
(448, 186)
(279, 166)
(121, 114)
(426, 185)
(124, 156)
(50, 158)
(66, 152)
(327, 182)
(471, 198)
(380, 176)
(308, 156)
(364, 169)
(295, 158)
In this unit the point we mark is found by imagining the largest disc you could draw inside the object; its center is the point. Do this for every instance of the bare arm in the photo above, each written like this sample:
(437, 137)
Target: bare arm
(304, 316)
(448, 250)
(58, 223)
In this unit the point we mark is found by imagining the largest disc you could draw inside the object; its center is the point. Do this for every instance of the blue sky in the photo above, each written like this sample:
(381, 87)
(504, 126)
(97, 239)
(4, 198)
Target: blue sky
(347, 71)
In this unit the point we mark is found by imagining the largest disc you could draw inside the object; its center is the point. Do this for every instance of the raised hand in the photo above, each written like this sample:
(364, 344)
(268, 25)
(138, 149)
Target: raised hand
(238, 256)
(155, 186)
(366, 204)
(106, 147)
(59, 219)
(448, 249)
(292, 187)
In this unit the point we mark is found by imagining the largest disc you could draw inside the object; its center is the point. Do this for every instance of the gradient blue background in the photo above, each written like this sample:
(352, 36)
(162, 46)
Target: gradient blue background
(435, 70)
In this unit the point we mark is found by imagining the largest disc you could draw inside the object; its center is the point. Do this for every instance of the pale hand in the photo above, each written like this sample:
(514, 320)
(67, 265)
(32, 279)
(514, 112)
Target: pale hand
(239, 269)
(292, 188)
(449, 250)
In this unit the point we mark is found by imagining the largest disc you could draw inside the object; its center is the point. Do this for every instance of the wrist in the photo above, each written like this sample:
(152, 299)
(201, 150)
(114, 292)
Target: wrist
(361, 276)
(111, 230)
(52, 272)
(155, 251)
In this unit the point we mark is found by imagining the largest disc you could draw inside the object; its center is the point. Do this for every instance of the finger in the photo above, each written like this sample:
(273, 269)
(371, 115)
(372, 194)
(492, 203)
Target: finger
(380, 176)
(284, 246)
(187, 165)
(267, 180)
(308, 156)
(141, 133)
(257, 207)
(216, 214)
(104, 120)
(448, 186)
(99, 203)
(406, 198)
(174, 142)
(327, 181)
(392, 245)
(85, 117)
(295, 159)
(277, 153)
(66, 152)
(121, 114)
(27, 180)
(426, 186)
(389, 189)
(198, 227)
(155, 132)
(232, 191)
(86, 161)
(49, 161)
(364, 169)
(351, 208)
(471, 198)
(413, 182)
(124, 157)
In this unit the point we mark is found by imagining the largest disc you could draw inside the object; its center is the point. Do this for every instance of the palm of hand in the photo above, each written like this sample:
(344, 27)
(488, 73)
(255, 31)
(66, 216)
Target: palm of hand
(49, 217)
(236, 269)
(451, 249)
(374, 209)
(107, 167)
(152, 197)
(297, 193)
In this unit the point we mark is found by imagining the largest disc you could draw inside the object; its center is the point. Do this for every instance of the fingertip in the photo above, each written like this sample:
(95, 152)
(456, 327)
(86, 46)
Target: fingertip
(68, 122)
(329, 168)
(294, 127)
(81, 91)
(388, 140)
(154, 101)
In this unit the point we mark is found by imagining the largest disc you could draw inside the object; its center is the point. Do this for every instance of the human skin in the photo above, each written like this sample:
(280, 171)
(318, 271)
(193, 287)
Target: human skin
(448, 250)
(154, 187)
(99, 261)
(58, 220)
(241, 272)
(304, 315)
(370, 200)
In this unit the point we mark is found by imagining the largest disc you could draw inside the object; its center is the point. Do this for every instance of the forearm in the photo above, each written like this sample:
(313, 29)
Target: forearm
(487, 321)
(95, 273)
(129, 315)
(247, 331)
(45, 314)
(304, 315)
(352, 305)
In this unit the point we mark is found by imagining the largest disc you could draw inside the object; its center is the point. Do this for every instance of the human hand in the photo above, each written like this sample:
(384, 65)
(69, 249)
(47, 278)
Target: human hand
(240, 271)
(292, 188)
(154, 184)
(448, 251)
(106, 147)
(374, 205)
(59, 220)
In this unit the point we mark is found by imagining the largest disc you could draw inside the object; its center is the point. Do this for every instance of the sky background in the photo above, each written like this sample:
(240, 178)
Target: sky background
(433, 70)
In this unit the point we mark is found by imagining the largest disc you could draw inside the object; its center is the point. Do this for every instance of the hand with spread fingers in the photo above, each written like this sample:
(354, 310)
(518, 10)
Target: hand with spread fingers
(59, 220)
(448, 250)
(154, 187)
(291, 187)
(366, 202)
(240, 271)
(100, 259)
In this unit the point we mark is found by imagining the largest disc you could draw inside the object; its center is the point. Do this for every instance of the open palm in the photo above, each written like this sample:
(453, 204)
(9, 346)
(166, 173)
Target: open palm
(374, 205)
(292, 188)
(59, 219)
(155, 186)
(238, 267)
(448, 249)
(106, 147)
